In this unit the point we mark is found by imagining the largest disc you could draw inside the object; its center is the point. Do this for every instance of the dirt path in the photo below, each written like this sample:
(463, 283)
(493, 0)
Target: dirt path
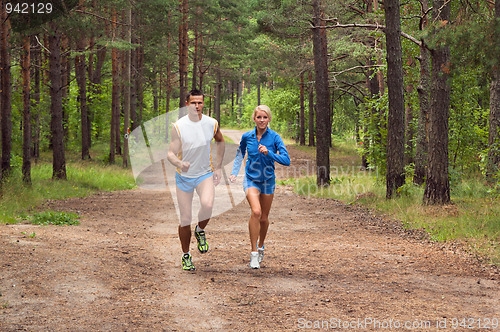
(326, 265)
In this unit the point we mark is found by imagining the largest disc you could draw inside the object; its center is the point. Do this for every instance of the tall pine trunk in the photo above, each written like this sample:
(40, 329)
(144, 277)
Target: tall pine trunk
(36, 60)
(183, 53)
(437, 186)
(493, 165)
(322, 97)
(302, 121)
(217, 101)
(82, 97)
(126, 83)
(25, 65)
(311, 110)
(421, 148)
(58, 154)
(96, 79)
(65, 82)
(6, 92)
(115, 97)
(395, 177)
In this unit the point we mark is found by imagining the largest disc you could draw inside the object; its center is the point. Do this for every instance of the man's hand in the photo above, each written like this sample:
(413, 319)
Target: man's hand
(217, 176)
(185, 166)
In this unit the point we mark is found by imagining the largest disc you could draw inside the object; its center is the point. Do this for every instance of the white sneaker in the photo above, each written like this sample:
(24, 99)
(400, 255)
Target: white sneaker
(254, 260)
(260, 252)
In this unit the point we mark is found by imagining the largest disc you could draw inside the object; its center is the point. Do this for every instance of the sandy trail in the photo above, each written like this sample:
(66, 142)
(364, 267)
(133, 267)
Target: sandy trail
(326, 265)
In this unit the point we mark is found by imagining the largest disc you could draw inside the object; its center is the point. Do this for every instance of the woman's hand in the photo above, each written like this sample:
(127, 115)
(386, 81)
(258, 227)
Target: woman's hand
(263, 149)
(232, 178)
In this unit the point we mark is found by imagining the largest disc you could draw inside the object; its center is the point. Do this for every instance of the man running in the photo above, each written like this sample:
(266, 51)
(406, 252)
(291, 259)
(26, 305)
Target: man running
(190, 152)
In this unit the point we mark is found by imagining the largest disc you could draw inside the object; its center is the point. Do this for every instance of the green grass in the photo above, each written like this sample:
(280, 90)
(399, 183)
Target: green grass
(18, 200)
(472, 219)
(54, 218)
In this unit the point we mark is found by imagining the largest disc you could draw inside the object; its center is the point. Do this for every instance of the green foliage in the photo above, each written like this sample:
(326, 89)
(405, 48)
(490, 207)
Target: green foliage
(283, 102)
(373, 122)
(468, 132)
(472, 219)
(54, 218)
(83, 180)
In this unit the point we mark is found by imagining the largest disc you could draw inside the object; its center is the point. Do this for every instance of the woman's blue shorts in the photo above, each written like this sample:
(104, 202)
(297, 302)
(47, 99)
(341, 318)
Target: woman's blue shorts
(266, 187)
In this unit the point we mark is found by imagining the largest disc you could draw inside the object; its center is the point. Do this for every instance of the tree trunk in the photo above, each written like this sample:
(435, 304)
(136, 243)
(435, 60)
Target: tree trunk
(322, 97)
(311, 110)
(258, 92)
(395, 176)
(409, 132)
(218, 91)
(65, 79)
(133, 87)
(127, 86)
(96, 79)
(183, 53)
(6, 92)
(168, 67)
(195, 52)
(421, 149)
(59, 159)
(115, 98)
(25, 65)
(35, 68)
(302, 120)
(437, 188)
(80, 72)
(493, 165)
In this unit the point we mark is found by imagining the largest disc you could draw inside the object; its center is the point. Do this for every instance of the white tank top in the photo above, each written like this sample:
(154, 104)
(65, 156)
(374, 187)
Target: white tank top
(196, 138)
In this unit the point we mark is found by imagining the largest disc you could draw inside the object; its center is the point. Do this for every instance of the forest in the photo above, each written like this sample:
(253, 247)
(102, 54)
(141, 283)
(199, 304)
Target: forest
(415, 82)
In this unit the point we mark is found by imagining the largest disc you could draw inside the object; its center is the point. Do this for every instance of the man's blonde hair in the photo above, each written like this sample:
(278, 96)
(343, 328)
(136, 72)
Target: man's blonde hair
(263, 108)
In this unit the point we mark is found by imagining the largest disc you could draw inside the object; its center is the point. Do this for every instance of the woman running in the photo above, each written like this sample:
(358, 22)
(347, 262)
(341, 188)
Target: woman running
(264, 147)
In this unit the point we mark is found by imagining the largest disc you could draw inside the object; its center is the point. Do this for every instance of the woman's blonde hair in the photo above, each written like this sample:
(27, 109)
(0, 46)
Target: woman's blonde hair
(263, 108)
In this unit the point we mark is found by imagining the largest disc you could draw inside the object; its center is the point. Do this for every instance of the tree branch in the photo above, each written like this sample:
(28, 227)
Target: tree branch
(99, 17)
(353, 68)
(371, 27)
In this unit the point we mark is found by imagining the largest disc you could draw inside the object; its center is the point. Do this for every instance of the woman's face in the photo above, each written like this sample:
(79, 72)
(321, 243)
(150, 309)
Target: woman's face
(261, 119)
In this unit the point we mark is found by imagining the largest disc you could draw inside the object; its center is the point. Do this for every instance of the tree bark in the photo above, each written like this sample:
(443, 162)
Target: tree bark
(218, 91)
(196, 35)
(421, 148)
(493, 165)
(322, 97)
(59, 159)
(395, 176)
(25, 65)
(169, 66)
(35, 72)
(96, 79)
(65, 79)
(311, 110)
(127, 85)
(302, 121)
(115, 97)
(6, 92)
(183, 53)
(81, 79)
(437, 188)
(409, 132)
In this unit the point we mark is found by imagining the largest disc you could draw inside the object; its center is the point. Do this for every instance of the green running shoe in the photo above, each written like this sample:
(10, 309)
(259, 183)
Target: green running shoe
(187, 264)
(202, 241)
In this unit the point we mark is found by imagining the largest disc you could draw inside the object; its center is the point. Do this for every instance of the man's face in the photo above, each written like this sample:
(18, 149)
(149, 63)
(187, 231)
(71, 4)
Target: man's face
(195, 105)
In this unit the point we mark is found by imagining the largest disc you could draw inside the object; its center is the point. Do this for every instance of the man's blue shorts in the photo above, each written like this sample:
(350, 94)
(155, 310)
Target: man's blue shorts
(267, 187)
(189, 184)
